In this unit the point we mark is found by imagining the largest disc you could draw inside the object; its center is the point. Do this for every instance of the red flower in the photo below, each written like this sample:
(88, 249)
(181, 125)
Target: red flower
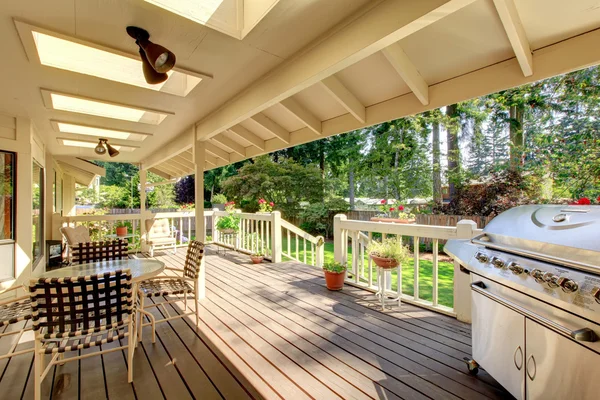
(598, 199)
(400, 208)
(392, 208)
(262, 201)
(272, 204)
(584, 201)
(383, 201)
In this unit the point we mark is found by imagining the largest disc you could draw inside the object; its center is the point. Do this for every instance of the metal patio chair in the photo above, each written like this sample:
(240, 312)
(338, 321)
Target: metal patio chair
(13, 311)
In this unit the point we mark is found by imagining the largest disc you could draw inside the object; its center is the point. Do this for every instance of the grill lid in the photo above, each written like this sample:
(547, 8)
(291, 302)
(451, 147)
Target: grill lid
(568, 235)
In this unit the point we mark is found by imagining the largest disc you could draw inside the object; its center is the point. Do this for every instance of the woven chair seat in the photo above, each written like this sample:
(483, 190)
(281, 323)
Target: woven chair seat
(14, 312)
(61, 345)
(164, 287)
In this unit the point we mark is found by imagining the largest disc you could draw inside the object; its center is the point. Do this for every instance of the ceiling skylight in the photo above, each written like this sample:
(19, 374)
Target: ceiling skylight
(65, 102)
(91, 145)
(98, 132)
(197, 10)
(71, 54)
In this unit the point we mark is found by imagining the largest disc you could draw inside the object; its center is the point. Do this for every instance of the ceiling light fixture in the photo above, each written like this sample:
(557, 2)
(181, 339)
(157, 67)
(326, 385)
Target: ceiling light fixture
(103, 146)
(156, 60)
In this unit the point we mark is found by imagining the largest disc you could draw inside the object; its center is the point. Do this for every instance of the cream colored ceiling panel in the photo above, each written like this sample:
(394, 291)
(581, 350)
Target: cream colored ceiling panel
(236, 138)
(320, 103)
(465, 41)
(373, 80)
(257, 129)
(549, 21)
(282, 117)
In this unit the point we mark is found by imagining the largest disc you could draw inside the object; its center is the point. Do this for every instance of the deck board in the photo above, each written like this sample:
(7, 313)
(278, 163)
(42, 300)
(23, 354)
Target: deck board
(273, 331)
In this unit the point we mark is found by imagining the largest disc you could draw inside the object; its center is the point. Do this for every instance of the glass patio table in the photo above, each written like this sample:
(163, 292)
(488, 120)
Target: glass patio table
(140, 269)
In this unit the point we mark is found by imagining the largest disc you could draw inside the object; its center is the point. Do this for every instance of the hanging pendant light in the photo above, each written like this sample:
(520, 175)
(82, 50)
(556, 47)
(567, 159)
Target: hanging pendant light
(112, 152)
(152, 77)
(100, 149)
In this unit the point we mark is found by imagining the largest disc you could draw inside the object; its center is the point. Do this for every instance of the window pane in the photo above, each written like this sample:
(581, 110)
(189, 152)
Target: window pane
(38, 215)
(7, 200)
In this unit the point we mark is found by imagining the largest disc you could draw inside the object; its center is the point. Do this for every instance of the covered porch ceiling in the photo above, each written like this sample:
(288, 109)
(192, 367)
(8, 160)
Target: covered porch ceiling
(301, 72)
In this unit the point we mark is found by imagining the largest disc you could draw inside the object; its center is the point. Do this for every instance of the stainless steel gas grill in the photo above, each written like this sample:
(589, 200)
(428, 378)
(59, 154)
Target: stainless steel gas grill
(535, 294)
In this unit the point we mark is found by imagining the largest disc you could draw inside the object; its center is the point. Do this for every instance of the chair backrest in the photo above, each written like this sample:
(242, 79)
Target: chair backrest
(73, 236)
(73, 306)
(158, 228)
(100, 251)
(193, 258)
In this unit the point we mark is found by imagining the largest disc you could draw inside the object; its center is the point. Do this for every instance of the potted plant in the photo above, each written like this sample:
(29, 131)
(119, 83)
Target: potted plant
(389, 253)
(257, 257)
(394, 213)
(121, 229)
(265, 207)
(218, 201)
(230, 223)
(335, 273)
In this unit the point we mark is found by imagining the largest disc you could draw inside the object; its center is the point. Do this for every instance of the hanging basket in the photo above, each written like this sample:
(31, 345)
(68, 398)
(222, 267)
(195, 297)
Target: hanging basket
(387, 263)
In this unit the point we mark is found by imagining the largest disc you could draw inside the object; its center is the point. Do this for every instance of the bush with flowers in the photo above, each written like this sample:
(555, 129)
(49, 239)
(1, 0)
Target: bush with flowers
(231, 222)
(265, 206)
(586, 201)
(187, 207)
(392, 209)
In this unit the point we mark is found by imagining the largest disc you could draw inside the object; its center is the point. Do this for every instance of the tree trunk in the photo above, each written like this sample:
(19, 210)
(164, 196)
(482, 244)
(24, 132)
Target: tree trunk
(453, 149)
(437, 177)
(517, 139)
(322, 158)
(351, 185)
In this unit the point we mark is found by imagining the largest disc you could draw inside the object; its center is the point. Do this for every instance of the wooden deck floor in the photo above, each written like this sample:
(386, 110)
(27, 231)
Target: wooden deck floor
(274, 331)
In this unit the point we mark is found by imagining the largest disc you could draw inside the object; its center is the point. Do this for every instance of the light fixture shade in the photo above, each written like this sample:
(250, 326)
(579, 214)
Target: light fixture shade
(161, 59)
(100, 149)
(152, 77)
(112, 151)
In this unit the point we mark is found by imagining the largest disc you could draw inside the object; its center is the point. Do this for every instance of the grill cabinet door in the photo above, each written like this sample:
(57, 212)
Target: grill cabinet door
(499, 342)
(559, 368)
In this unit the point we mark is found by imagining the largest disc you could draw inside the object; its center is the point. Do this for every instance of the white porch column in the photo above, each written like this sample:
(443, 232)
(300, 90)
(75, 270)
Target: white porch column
(276, 240)
(462, 289)
(340, 240)
(68, 195)
(143, 177)
(199, 160)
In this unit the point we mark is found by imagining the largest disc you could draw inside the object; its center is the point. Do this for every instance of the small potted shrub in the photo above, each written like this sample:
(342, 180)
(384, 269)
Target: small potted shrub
(265, 207)
(218, 201)
(335, 273)
(230, 223)
(257, 257)
(121, 229)
(388, 253)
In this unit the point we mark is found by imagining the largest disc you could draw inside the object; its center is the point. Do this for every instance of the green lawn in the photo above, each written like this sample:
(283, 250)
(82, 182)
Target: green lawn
(445, 273)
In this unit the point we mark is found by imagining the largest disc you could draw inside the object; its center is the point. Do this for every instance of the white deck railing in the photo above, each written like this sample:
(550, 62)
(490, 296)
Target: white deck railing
(351, 239)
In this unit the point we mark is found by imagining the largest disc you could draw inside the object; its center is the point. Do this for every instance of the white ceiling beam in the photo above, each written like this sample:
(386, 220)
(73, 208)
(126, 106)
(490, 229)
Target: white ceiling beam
(345, 97)
(217, 151)
(516, 34)
(160, 173)
(171, 170)
(272, 127)
(210, 159)
(187, 162)
(230, 144)
(176, 146)
(247, 135)
(369, 31)
(302, 115)
(179, 165)
(407, 71)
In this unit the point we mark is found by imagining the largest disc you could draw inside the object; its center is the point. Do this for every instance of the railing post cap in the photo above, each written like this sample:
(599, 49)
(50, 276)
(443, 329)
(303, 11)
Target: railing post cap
(467, 222)
(340, 216)
(216, 209)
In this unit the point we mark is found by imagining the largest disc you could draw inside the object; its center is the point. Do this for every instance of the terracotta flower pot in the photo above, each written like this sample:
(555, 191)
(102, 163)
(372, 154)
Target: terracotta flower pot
(122, 231)
(227, 231)
(257, 259)
(384, 262)
(335, 281)
(394, 220)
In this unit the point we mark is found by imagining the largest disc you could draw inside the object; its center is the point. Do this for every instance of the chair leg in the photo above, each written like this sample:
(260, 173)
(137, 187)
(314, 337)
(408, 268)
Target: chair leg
(139, 327)
(131, 343)
(38, 359)
(197, 308)
(151, 251)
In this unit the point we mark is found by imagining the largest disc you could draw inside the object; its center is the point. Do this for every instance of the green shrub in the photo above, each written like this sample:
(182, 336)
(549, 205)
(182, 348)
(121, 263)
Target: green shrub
(219, 199)
(334, 266)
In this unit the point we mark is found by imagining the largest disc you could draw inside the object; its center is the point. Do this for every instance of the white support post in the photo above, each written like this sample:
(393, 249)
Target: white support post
(199, 160)
(320, 252)
(143, 178)
(462, 289)
(276, 241)
(339, 239)
(213, 225)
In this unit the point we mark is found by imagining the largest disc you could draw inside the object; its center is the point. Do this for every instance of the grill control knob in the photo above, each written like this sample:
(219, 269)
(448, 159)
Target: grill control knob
(596, 294)
(515, 268)
(482, 257)
(496, 262)
(538, 275)
(551, 279)
(568, 285)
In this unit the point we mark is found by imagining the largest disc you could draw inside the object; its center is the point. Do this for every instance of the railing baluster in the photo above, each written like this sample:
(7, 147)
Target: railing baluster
(416, 240)
(354, 238)
(297, 251)
(434, 273)
(304, 249)
(370, 263)
(289, 244)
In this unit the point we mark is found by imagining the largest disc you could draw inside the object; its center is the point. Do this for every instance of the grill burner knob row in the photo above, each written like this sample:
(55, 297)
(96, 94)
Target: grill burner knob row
(568, 285)
(482, 257)
(538, 275)
(496, 262)
(515, 268)
(551, 279)
(596, 294)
